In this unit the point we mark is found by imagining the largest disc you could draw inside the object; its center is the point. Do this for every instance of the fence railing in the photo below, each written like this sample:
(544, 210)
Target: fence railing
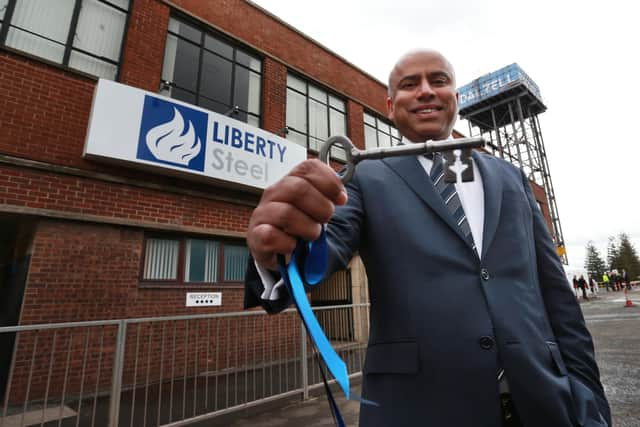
(168, 371)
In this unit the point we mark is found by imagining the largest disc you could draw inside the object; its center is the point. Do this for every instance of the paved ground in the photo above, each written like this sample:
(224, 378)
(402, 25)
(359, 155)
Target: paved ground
(616, 332)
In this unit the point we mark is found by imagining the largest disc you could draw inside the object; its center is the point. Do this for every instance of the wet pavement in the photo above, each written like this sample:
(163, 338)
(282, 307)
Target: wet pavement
(616, 332)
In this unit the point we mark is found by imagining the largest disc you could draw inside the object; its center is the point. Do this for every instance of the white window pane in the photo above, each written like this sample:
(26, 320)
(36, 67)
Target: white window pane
(318, 120)
(161, 259)
(337, 153)
(318, 94)
(254, 93)
(315, 144)
(174, 25)
(382, 126)
(336, 103)
(384, 139)
(36, 45)
(91, 65)
(3, 7)
(296, 83)
(169, 64)
(100, 29)
(297, 137)
(370, 137)
(296, 111)
(235, 263)
(47, 18)
(44, 18)
(337, 123)
(369, 119)
(253, 120)
(394, 133)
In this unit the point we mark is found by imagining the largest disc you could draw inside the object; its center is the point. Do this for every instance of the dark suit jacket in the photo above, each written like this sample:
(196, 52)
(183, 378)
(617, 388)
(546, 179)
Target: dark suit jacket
(443, 319)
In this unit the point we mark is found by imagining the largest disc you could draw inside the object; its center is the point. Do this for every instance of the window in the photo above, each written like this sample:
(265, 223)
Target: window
(202, 68)
(194, 261)
(3, 9)
(313, 115)
(379, 133)
(86, 35)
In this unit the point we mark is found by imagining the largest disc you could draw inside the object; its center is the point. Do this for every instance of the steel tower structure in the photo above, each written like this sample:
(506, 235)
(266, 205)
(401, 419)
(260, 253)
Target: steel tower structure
(503, 107)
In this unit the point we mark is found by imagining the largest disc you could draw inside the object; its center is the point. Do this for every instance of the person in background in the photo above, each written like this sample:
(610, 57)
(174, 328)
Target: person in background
(613, 278)
(626, 279)
(593, 284)
(605, 281)
(582, 284)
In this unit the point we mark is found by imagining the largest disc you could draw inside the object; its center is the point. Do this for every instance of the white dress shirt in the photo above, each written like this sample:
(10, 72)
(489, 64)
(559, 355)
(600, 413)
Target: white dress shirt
(471, 196)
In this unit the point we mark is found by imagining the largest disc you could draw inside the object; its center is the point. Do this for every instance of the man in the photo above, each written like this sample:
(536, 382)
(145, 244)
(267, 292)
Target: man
(455, 304)
(626, 279)
(605, 280)
(582, 284)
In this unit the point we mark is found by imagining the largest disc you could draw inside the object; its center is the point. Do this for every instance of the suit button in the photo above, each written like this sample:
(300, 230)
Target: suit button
(486, 343)
(484, 273)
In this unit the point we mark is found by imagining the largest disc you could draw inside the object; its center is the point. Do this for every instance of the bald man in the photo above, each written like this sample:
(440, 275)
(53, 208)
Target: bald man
(473, 322)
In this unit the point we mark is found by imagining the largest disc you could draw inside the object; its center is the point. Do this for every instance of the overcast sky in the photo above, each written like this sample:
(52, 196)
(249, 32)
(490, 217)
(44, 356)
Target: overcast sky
(582, 54)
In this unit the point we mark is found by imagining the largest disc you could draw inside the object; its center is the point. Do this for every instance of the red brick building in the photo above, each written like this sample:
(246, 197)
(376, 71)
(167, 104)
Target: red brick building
(85, 238)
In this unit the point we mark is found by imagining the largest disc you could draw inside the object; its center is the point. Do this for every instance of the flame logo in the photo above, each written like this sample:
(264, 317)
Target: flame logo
(169, 142)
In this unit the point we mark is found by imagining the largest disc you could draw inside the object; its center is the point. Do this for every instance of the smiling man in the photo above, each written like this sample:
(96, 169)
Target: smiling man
(433, 112)
(472, 320)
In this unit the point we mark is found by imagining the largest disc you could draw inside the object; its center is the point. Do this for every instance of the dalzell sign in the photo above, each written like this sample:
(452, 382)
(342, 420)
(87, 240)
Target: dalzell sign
(129, 125)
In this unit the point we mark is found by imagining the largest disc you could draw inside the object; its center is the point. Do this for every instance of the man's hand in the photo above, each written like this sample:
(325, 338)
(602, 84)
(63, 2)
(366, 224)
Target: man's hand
(294, 207)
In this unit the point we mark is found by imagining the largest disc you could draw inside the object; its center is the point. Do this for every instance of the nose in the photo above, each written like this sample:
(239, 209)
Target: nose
(424, 89)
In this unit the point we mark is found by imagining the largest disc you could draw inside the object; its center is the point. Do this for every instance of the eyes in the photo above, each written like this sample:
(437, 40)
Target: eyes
(412, 82)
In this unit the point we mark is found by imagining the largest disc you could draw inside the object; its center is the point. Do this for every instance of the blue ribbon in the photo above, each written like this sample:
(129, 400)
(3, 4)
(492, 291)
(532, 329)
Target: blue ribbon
(314, 269)
(315, 266)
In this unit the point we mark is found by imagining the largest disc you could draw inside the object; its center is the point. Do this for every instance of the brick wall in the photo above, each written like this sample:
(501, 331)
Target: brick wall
(255, 27)
(46, 108)
(45, 190)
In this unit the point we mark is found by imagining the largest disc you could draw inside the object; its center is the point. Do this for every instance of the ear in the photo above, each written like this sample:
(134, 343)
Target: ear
(390, 109)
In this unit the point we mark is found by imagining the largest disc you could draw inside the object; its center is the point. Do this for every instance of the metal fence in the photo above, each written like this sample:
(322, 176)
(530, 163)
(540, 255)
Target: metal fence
(168, 371)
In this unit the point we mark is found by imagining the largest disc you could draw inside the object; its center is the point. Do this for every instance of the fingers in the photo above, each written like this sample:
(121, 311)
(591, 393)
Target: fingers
(265, 241)
(294, 207)
(322, 178)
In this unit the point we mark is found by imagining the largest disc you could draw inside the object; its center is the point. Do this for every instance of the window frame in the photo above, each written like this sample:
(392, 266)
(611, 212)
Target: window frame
(236, 47)
(180, 281)
(394, 140)
(329, 107)
(6, 24)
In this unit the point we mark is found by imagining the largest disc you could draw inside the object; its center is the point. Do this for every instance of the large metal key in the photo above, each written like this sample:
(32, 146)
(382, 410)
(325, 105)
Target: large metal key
(354, 156)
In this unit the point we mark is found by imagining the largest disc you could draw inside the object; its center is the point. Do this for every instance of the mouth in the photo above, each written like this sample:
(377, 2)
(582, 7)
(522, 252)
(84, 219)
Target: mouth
(426, 109)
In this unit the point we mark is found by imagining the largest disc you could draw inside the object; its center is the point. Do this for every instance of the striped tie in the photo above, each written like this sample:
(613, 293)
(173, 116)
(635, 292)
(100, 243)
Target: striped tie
(450, 197)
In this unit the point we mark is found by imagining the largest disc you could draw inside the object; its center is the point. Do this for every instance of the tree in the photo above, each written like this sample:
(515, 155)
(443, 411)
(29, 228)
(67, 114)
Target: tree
(627, 257)
(612, 252)
(594, 264)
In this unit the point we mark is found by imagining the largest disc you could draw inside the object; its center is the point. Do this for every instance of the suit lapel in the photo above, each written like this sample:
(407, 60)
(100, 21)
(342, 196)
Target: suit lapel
(492, 198)
(414, 175)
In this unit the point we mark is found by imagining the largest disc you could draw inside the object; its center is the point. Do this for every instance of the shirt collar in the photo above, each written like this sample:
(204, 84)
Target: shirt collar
(404, 140)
